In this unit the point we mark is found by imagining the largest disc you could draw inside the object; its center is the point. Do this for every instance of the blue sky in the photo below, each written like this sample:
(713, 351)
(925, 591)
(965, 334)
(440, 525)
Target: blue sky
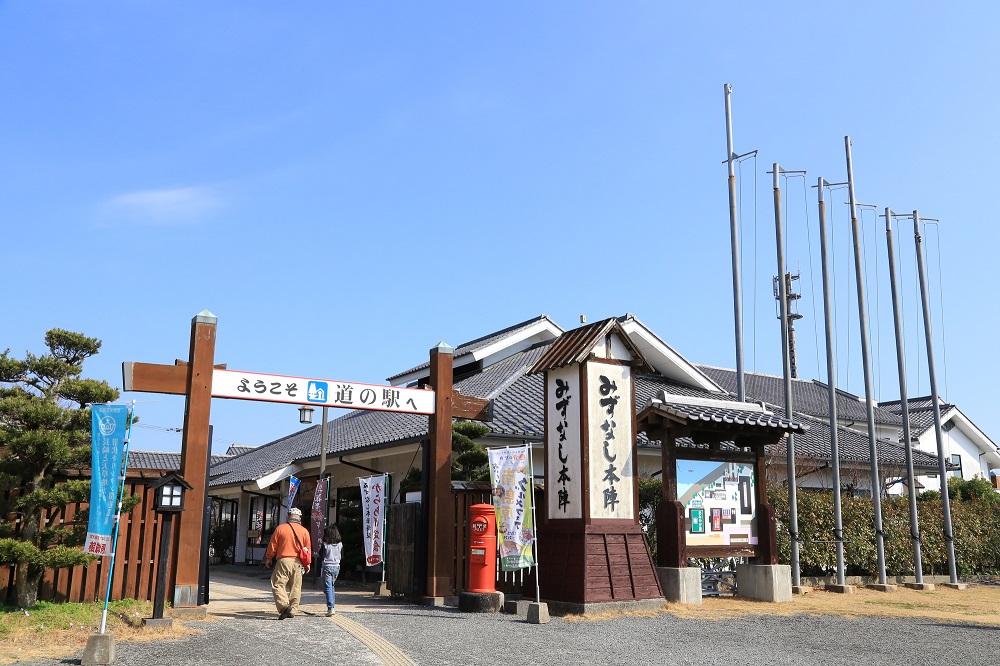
(345, 185)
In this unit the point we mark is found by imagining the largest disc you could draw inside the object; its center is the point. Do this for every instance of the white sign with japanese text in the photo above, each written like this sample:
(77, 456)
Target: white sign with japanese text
(609, 411)
(563, 463)
(328, 392)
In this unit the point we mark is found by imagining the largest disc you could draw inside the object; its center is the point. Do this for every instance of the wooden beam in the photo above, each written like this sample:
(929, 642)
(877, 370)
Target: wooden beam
(469, 407)
(155, 378)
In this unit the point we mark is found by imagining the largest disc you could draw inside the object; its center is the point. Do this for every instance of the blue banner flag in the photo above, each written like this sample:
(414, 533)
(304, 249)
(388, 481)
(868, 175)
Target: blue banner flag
(108, 428)
(293, 489)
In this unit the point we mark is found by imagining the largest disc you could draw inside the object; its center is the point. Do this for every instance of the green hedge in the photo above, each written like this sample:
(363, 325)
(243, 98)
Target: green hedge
(975, 524)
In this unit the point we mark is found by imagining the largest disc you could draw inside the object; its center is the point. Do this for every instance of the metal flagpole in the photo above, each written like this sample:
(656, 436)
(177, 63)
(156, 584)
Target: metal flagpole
(534, 523)
(385, 516)
(793, 517)
(734, 239)
(118, 515)
(831, 365)
(911, 481)
(876, 480)
(942, 465)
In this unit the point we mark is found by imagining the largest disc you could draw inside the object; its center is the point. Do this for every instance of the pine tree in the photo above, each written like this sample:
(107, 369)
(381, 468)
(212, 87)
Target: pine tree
(44, 428)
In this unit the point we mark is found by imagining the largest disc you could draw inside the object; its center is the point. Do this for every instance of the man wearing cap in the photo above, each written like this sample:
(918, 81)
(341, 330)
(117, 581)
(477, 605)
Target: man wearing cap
(283, 555)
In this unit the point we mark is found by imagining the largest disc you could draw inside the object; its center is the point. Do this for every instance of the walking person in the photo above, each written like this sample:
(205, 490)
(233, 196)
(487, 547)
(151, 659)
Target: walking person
(331, 550)
(283, 554)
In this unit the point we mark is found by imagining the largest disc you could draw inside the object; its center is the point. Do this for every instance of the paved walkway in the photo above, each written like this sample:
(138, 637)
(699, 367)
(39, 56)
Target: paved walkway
(246, 594)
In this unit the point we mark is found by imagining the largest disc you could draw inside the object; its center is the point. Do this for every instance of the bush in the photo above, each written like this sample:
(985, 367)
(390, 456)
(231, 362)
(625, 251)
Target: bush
(975, 525)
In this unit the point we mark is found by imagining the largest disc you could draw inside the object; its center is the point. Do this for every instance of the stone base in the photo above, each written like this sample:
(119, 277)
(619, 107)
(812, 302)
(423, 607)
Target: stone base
(802, 589)
(517, 607)
(923, 587)
(191, 613)
(382, 589)
(438, 601)
(158, 622)
(538, 613)
(574, 607)
(100, 650)
(480, 602)
(956, 586)
(764, 582)
(680, 584)
(880, 587)
(840, 589)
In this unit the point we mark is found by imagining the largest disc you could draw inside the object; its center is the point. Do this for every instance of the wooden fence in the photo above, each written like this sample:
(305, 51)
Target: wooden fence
(135, 564)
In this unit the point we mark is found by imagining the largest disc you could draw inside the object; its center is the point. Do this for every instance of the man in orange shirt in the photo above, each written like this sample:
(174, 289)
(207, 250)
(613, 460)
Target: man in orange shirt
(283, 555)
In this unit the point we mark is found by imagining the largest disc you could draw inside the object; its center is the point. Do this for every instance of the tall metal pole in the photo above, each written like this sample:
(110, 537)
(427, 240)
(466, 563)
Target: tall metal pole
(911, 481)
(322, 473)
(876, 479)
(793, 513)
(831, 365)
(942, 465)
(734, 239)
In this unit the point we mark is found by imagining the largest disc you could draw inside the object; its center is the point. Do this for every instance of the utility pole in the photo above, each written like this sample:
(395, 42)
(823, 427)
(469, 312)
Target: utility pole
(790, 316)
(793, 510)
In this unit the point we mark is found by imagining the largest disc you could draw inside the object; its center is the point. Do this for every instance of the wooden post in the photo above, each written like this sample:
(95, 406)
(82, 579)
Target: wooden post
(194, 459)
(439, 503)
(767, 526)
(671, 536)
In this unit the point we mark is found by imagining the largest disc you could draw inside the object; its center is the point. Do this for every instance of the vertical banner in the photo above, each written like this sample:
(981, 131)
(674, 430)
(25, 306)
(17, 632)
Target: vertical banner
(319, 512)
(372, 489)
(512, 500)
(293, 489)
(108, 426)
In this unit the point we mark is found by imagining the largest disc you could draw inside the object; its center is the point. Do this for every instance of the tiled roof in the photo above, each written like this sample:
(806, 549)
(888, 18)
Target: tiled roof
(165, 460)
(238, 449)
(808, 395)
(695, 413)
(477, 344)
(921, 411)
(154, 460)
(518, 412)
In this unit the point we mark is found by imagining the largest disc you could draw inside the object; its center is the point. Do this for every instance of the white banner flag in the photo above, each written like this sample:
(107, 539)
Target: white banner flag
(372, 514)
(510, 476)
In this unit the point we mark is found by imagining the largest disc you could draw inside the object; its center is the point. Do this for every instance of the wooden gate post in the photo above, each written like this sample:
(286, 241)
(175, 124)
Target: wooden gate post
(194, 459)
(439, 506)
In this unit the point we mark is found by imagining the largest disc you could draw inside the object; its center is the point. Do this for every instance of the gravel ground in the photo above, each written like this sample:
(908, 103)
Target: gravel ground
(445, 636)
(248, 633)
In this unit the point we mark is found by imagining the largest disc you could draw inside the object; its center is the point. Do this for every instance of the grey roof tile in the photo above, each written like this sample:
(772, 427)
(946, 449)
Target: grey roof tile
(809, 396)
(518, 412)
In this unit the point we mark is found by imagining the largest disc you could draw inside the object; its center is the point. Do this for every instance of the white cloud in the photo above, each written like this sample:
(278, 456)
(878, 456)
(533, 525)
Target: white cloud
(166, 206)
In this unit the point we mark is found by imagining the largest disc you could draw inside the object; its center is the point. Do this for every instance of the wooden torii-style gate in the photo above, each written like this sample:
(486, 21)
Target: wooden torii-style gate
(199, 379)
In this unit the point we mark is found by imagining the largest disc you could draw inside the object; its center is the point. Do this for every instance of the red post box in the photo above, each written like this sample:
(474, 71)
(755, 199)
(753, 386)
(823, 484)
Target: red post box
(482, 554)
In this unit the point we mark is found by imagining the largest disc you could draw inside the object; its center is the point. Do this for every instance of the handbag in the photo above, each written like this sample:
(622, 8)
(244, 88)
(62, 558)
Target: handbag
(305, 557)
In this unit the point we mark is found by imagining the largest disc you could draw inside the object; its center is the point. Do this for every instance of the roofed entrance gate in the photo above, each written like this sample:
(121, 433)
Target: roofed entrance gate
(714, 489)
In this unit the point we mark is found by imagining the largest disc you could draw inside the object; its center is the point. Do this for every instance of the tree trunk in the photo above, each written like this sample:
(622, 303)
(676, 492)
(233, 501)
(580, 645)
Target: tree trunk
(26, 584)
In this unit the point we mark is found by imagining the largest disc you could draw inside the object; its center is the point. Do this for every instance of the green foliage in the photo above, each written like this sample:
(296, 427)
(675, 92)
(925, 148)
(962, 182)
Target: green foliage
(470, 459)
(976, 530)
(222, 539)
(976, 488)
(650, 494)
(45, 427)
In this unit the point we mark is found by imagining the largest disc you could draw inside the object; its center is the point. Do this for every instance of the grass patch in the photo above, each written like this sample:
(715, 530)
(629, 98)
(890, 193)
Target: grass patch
(50, 630)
